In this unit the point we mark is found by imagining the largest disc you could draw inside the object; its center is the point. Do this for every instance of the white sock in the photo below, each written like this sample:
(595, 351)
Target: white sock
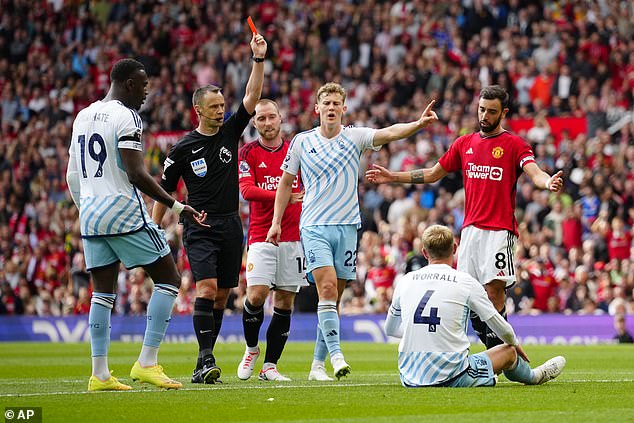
(318, 363)
(267, 366)
(253, 349)
(148, 356)
(100, 367)
(336, 357)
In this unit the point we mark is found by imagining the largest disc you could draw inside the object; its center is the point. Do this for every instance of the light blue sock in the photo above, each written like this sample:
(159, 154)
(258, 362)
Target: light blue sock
(99, 322)
(321, 350)
(159, 311)
(521, 373)
(329, 323)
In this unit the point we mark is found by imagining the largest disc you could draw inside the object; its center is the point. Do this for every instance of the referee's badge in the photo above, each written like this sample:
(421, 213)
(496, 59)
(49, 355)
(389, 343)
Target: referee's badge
(199, 167)
(225, 155)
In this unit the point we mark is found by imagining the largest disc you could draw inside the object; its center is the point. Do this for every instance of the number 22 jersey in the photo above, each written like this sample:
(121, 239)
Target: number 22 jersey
(109, 204)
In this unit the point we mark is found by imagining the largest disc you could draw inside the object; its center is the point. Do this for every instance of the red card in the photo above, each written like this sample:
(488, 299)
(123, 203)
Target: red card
(250, 22)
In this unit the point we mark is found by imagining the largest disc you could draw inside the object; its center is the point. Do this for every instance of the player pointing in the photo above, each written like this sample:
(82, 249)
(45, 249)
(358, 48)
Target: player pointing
(491, 161)
(328, 157)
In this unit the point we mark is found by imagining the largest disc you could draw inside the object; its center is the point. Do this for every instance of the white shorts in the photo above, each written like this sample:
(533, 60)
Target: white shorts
(280, 267)
(487, 255)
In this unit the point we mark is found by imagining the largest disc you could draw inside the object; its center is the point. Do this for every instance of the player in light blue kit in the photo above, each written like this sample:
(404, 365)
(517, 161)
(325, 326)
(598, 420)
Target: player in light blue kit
(105, 174)
(430, 313)
(328, 157)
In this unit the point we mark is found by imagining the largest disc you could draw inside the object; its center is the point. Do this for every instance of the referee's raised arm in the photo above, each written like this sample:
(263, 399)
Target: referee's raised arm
(256, 79)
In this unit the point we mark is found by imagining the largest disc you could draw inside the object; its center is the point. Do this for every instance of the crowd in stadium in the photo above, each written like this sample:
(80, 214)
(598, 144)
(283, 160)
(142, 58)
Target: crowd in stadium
(561, 59)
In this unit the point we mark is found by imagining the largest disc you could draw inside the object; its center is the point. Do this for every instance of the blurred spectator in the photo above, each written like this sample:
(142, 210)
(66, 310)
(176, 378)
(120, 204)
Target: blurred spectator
(391, 57)
(622, 335)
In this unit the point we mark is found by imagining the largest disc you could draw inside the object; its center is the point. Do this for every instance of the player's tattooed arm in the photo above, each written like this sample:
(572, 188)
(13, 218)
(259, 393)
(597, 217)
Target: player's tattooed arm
(418, 176)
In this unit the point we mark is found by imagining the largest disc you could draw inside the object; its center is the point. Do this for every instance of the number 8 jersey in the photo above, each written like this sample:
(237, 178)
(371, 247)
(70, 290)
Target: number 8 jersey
(109, 204)
(433, 306)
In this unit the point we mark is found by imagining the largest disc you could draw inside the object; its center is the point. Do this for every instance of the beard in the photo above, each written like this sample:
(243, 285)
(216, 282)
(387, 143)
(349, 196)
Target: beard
(489, 128)
(270, 135)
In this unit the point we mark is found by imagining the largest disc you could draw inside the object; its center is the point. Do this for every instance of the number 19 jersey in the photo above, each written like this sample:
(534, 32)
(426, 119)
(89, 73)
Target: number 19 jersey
(433, 304)
(109, 204)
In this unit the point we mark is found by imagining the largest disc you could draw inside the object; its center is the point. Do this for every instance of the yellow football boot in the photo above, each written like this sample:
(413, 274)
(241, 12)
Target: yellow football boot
(153, 375)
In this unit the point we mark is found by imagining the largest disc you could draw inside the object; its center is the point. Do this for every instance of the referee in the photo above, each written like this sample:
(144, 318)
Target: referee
(207, 160)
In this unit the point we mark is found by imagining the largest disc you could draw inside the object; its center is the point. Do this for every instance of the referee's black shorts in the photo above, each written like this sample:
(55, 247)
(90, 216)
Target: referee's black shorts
(215, 252)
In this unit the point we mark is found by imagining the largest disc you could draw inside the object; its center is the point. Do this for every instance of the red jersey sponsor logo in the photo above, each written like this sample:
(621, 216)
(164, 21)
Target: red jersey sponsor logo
(260, 175)
(474, 171)
(270, 183)
(490, 168)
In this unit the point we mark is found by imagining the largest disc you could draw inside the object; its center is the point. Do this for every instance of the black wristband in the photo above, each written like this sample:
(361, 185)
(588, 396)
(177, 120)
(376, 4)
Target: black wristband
(258, 59)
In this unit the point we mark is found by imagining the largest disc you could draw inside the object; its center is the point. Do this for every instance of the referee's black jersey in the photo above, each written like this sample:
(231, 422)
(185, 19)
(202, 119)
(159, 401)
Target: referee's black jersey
(209, 167)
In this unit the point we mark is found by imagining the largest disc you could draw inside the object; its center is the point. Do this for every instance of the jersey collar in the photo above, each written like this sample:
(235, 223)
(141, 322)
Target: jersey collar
(272, 150)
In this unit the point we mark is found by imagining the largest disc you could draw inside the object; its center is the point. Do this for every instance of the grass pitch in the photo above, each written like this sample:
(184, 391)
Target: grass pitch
(597, 385)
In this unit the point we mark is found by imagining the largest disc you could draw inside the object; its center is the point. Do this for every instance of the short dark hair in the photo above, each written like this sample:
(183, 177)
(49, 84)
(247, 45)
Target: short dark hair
(124, 69)
(201, 91)
(493, 92)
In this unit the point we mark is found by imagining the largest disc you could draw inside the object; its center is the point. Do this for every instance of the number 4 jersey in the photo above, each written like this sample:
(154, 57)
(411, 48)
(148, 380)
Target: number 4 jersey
(433, 306)
(109, 204)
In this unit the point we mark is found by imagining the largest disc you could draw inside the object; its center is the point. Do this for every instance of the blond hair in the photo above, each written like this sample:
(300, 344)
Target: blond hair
(331, 88)
(438, 242)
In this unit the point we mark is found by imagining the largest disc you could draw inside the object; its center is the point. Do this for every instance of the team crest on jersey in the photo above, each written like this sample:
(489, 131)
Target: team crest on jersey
(225, 155)
(199, 167)
(249, 267)
(311, 256)
(497, 152)
(341, 144)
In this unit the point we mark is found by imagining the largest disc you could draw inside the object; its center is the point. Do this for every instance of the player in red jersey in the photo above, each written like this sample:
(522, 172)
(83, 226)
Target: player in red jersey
(269, 267)
(491, 161)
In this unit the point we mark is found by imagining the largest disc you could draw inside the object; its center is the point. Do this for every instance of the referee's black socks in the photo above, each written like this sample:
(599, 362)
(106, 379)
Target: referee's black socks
(218, 315)
(204, 326)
